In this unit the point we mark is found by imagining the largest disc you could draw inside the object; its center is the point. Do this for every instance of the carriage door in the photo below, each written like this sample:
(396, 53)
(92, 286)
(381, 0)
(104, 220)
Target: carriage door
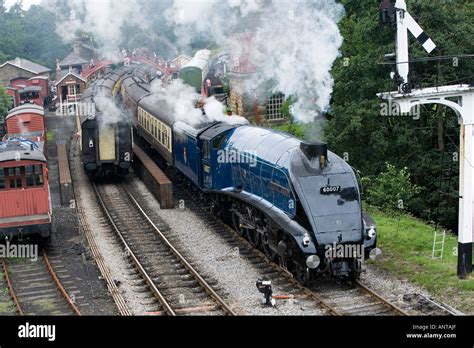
(206, 165)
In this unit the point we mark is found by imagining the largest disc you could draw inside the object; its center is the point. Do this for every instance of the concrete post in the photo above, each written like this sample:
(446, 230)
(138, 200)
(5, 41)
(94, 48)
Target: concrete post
(466, 201)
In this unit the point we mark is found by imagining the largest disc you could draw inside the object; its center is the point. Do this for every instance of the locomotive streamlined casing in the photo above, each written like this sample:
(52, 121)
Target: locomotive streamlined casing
(276, 174)
(333, 217)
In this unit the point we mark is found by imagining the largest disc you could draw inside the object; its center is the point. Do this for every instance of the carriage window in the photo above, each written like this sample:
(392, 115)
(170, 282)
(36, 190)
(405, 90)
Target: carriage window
(3, 184)
(29, 174)
(39, 175)
(165, 137)
(169, 137)
(14, 177)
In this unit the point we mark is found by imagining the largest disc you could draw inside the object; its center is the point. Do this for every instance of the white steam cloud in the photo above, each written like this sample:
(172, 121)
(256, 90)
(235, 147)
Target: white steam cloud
(292, 43)
(105, 19)
(111, 113)
(180, 101)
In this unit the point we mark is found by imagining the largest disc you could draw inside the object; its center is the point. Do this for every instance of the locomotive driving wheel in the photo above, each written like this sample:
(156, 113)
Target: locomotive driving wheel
(236, 222)
(254, 237)
(269, 252)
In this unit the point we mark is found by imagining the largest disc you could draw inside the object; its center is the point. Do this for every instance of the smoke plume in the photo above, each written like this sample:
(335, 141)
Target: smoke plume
(180, 100)
(293, 44)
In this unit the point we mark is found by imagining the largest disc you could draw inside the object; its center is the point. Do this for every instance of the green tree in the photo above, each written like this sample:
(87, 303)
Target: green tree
(30, 34)
(390, 190)
(356, 125)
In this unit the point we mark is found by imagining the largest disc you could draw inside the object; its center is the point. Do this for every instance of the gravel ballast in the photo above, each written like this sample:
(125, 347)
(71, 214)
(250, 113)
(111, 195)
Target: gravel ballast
(215, 258)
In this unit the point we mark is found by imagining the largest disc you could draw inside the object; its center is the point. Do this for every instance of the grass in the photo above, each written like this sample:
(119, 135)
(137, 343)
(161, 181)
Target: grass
(6, 305)
(406, 245)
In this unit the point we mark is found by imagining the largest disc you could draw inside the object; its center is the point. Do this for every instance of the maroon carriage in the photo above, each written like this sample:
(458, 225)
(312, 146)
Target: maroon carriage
(26, 121)
(25, 203)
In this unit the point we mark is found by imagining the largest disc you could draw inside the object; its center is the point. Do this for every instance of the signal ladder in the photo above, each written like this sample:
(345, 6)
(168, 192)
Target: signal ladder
(449, 166)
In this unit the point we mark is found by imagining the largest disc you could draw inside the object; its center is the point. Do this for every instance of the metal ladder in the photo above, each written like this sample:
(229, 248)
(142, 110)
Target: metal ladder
(438, 253)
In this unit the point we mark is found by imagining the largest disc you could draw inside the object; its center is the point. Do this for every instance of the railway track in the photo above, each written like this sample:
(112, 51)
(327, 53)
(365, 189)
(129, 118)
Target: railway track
(346, 299)
(178, 288)
(36, 289)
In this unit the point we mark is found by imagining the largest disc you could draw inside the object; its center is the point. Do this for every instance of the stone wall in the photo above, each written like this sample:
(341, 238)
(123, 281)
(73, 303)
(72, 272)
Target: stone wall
(9, 72)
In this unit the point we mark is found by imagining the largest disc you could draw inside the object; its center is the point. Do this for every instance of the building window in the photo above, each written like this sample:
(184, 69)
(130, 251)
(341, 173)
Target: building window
(274, 104)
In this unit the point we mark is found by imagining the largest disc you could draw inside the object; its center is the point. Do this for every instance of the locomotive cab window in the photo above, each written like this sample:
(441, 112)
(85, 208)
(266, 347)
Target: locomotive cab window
(217, 142)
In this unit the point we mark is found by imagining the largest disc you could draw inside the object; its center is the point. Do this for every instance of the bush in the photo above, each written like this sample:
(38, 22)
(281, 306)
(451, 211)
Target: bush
(391, 190)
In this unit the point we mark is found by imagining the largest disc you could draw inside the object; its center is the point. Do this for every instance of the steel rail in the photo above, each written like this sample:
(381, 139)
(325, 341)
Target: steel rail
(322, 302)
(208, 288)
(331, 309)
(156, 292)
(384, 301)
(59, 285)
(11, 290)
(104, 271)
(443, 306)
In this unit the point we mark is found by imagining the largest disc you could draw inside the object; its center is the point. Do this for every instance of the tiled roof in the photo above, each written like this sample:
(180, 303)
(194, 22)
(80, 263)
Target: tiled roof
(25, 64)
(71, 60)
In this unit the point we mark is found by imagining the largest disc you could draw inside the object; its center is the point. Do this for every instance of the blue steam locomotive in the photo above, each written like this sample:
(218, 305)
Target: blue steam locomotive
(295, 200)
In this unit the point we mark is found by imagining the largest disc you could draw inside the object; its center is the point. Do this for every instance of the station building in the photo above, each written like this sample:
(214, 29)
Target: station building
(23, 68)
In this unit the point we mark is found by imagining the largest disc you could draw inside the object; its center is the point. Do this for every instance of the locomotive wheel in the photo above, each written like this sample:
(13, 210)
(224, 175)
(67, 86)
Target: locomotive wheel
(303, 275)
(254, 237)
(269, 253)
(236, 223)
(355, 270)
